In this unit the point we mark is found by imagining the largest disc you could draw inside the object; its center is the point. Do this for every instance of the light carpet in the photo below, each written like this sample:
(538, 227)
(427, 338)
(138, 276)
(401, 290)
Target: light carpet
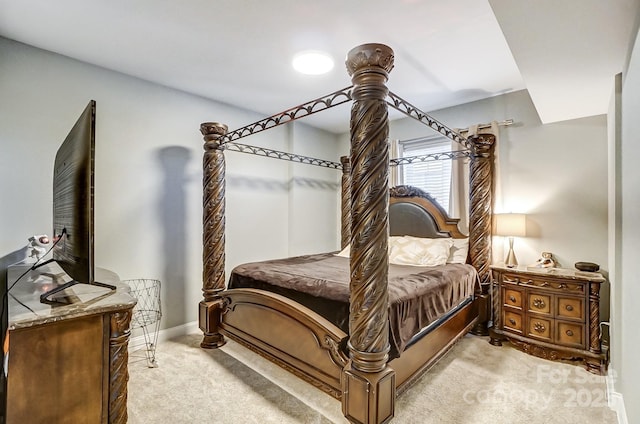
(474, 383)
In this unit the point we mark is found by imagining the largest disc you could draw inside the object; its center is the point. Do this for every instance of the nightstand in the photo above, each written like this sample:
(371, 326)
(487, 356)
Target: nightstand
(552, 313)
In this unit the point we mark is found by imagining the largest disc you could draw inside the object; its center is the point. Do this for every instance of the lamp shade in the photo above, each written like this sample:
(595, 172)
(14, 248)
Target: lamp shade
(510, 224)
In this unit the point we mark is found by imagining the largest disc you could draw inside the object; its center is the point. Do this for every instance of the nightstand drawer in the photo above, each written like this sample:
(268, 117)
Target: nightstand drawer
(512, 321)
(570, 334)
(539, 303)
(540, 328)
(550, 283)
(512, 298)
(570, 307)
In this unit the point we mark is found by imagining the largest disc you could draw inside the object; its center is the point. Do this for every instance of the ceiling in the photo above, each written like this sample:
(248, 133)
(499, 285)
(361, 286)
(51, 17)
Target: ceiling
(446, 53)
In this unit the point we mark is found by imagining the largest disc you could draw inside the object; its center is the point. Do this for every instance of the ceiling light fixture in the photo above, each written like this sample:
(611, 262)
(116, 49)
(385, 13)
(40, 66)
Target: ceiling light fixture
(312, 62)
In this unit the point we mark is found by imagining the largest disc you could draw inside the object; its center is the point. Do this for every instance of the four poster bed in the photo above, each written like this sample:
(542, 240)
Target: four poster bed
(357, 327)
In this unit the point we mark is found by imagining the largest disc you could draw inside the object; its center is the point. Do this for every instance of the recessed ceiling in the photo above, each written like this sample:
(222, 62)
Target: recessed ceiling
(239, 51)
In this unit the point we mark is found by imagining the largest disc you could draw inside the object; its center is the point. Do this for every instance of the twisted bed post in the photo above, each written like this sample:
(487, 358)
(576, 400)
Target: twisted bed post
(213, 278)
(346, 202)
(368, 384)
(480, 220)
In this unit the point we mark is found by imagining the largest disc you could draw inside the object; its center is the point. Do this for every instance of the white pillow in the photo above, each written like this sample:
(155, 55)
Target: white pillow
(459, 251)
(346, 252)
(417, 251)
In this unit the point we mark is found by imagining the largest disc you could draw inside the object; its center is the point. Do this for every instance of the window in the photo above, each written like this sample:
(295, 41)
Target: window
(433, 176)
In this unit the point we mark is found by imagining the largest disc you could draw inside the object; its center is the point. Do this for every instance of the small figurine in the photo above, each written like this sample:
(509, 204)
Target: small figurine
(546, 261)
(37, 246)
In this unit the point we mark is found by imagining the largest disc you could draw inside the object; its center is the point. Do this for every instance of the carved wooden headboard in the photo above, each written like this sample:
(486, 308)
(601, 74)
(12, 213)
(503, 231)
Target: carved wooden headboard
(414, 212)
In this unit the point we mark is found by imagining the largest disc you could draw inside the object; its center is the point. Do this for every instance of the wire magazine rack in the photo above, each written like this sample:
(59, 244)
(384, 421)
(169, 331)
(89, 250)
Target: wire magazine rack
(146, 314)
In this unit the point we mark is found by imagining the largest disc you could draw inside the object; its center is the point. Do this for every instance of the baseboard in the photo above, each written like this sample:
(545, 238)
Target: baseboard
(138, 341)
(615, 399)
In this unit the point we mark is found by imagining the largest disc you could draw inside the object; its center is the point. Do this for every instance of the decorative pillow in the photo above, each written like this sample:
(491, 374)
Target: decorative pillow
(417, 251)
(459, 251)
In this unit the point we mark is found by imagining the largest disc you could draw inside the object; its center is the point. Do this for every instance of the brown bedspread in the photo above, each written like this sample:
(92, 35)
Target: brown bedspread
(418, 296)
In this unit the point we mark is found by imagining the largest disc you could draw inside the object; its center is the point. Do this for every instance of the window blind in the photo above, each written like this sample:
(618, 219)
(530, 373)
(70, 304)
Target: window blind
(433, 176)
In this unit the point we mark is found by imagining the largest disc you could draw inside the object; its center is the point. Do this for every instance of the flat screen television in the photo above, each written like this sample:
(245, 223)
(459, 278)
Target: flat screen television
(73, 204)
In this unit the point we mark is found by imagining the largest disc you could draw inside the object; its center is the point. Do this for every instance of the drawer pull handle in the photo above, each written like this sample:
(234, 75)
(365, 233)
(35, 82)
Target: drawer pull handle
(512, 298)
(544, 284)
(569, 308)
(562, 286)
(569, 333)
(512, 321)
(538, 303)
(539, 327)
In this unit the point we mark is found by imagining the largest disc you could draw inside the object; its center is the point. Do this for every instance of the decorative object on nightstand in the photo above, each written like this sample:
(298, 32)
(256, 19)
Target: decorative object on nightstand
(510, 225)
(552, 313)
(545, 261)
(587, 266)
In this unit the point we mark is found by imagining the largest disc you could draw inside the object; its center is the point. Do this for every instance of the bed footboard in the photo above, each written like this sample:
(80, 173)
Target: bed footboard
(309, 346)
(286, 333)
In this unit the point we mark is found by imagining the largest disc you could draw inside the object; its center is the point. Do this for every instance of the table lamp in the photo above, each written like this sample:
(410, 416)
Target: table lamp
(510, 225)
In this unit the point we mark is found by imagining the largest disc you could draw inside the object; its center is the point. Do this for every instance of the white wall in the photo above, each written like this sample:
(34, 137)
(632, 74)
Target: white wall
(149, 175)
(614, 126)
(315, 229)
(626, 336)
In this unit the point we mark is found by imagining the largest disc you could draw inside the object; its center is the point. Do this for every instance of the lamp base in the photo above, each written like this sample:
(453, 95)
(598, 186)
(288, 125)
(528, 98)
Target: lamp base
(511, 261)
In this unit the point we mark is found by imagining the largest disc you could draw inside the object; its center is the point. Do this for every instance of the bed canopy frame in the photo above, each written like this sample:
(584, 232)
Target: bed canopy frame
(368, 388)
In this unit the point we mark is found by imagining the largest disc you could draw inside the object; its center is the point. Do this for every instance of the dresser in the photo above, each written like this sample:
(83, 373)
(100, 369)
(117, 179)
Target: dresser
(552, 313)
(67, 362)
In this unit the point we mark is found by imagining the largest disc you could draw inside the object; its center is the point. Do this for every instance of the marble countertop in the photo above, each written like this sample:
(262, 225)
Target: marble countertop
(558, 272)
(26, 310)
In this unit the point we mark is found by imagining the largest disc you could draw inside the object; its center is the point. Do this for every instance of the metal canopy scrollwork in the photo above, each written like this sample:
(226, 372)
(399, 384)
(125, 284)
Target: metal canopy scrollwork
(408, 109)
(292, 157)
(270, 153)
(458, 154)
(334, 99)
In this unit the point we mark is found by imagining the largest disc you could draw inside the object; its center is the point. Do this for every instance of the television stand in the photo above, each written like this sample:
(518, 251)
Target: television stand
(77, 353)
(46, 297)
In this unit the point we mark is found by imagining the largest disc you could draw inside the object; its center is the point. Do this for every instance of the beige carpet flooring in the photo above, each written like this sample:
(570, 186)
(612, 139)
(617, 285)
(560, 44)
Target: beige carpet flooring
(474, 383)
